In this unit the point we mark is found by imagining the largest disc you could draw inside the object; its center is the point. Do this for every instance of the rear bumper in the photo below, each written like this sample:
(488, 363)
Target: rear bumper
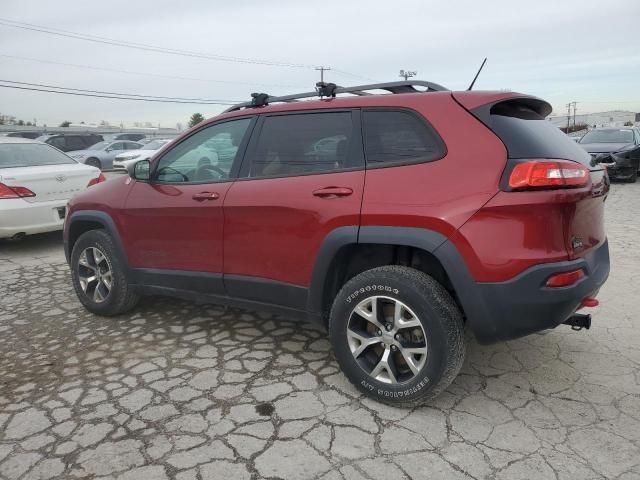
(524, 305)
(20, 216)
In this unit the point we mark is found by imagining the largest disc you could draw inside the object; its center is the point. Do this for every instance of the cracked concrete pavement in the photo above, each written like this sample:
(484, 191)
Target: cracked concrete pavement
(179, 391)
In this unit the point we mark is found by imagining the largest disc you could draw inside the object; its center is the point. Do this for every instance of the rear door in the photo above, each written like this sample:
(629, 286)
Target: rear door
(302, 178)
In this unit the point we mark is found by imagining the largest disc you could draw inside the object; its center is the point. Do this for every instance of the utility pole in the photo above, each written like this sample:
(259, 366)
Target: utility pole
(406, 74)
(322, 70)
(569, 105)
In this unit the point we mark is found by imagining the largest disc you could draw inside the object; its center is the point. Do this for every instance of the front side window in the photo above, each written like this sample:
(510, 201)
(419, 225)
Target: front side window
(117, 146)
(132, 146)
(395, 136)
(298, 144)
(206, 156)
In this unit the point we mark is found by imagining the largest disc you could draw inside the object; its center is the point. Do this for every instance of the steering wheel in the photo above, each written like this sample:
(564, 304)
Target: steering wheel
(204, 172)
(170, 170)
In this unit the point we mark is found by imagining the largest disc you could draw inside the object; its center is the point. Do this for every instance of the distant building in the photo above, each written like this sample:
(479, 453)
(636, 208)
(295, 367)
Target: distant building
(613, 118)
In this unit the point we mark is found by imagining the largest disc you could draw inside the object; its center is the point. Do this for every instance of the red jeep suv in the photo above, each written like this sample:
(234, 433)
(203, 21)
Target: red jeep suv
(394, 219)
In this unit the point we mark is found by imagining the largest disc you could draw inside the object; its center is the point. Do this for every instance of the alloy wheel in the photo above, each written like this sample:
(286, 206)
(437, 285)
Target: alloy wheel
(387, 339)
(95, 274)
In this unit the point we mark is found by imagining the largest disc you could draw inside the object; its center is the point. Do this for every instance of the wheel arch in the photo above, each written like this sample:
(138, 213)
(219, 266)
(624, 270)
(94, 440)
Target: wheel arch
(86, 220)
(345, 251)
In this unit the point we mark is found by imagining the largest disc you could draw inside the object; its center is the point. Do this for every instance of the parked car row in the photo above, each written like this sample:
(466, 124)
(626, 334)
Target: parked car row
(36, 182)
(616, 148)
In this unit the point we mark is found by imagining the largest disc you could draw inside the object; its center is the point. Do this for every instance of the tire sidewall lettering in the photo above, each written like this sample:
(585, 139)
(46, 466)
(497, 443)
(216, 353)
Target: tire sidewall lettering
(371, 289)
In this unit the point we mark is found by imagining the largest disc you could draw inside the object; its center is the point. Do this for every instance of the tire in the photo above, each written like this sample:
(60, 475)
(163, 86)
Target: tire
(423, 299)
(117, 299)
(93, 162)
(634, 176)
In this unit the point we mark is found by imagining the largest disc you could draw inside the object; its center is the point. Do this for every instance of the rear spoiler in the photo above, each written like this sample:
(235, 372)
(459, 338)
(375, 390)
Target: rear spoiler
(480, 103)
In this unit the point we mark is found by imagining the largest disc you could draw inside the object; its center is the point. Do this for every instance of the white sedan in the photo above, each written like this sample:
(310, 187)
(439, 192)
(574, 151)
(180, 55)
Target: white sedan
(36, 182)
(145, 153)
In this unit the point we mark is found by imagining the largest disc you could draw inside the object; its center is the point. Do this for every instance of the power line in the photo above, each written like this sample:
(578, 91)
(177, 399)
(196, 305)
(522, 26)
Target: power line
(113, 95)
(158, 75)
(142, 46)
(153, 48)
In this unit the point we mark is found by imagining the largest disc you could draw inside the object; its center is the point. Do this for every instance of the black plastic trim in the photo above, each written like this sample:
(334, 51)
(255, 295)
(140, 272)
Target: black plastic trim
(332, 243)
(265, 290)
(197, 282)
(97, 216)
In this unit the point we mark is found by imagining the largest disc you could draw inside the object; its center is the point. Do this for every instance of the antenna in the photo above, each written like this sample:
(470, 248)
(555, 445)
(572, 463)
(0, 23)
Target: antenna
(476, 77)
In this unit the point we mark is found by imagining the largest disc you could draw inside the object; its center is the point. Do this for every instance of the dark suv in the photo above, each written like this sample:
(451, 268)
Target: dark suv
(395, 220)
(68, 142)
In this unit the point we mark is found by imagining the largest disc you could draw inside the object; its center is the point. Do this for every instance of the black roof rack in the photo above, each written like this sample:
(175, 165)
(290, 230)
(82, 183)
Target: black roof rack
(407, 86)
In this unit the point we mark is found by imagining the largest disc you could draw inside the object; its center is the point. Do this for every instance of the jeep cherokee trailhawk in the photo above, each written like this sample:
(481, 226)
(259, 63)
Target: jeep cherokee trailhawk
(394, 219)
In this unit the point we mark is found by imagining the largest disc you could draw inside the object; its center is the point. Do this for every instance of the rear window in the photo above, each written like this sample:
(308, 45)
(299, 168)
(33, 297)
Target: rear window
(14, 155)
(527, 134)
(398, 137)
(608, 136)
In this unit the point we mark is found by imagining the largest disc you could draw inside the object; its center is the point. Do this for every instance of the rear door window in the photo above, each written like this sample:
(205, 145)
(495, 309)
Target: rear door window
(399, 137)
(305, 143)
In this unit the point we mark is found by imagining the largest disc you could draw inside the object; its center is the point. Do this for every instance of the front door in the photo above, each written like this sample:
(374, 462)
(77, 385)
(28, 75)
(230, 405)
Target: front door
(302, 178)
(174, 222)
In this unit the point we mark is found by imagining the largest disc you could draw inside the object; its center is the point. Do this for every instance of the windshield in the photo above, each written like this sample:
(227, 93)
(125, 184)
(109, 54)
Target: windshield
(608, 136)
(155, 144)
(98, 146)
(30, 155)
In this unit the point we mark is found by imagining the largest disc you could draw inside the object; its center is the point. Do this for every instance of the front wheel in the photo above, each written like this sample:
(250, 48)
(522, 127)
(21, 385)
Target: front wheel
(397, 334)
(99, 275)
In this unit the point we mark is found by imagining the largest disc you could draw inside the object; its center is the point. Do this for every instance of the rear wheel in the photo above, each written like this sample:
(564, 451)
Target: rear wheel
(397, 334)
(99, 275)
(93, 162)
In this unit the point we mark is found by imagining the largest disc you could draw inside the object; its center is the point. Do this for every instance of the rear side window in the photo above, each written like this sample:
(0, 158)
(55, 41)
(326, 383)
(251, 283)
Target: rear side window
(527, 134)
(75, 143)
(397, 136)
(299, 144)
(14, 155)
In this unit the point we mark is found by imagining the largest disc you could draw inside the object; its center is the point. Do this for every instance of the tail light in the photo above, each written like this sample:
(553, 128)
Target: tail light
(94, 181)
(546, 174)
(565, 279)
(14, 192)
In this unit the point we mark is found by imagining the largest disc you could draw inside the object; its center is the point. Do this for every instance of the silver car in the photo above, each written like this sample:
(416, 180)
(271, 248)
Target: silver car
(101, 154)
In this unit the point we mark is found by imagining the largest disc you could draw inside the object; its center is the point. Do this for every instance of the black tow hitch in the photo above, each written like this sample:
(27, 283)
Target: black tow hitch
(578, 321)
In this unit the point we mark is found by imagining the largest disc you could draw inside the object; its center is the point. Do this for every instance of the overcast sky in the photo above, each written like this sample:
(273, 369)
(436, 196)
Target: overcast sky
(584, 51)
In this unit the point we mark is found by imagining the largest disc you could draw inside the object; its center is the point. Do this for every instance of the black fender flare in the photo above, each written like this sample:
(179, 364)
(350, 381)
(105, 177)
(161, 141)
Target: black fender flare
(437, 244)
(96, 216)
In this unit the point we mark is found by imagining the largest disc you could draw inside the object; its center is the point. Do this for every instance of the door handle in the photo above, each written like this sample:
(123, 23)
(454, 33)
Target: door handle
(202, 196)
(331, 192)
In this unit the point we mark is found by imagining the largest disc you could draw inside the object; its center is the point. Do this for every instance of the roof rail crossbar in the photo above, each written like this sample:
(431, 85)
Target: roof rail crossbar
(407, 86)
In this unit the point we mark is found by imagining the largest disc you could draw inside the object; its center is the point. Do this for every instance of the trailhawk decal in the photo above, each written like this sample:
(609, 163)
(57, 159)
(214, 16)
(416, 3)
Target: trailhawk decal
(372, 288)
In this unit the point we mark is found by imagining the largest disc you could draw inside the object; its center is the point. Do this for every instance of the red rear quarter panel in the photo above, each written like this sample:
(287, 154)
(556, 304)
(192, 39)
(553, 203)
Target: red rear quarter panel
(443, 194)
